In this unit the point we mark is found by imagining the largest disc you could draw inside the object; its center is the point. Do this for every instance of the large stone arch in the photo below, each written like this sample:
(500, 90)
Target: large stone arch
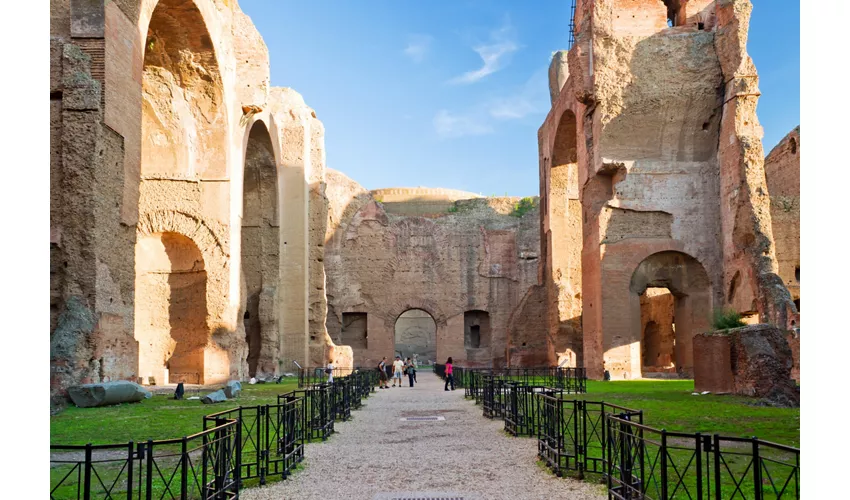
(223, 352)
(689, 283)
(393, 312)
(184, 115)
(259, 250)
(415, 335)
(563, 238)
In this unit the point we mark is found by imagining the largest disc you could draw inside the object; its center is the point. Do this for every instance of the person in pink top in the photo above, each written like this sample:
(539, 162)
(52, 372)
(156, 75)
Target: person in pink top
(449, 376)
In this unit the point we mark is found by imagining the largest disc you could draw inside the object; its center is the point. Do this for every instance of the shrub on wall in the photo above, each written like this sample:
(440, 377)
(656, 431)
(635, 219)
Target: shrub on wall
(724, 319)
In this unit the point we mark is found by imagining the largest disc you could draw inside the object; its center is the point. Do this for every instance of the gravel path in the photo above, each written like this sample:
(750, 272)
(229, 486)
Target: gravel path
(375, 455)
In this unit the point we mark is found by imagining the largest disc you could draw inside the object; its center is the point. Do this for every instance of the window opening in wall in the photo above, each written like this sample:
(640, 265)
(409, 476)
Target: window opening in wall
(476, 331)
(475, 336)
(700, 26)
(353, 332)
(793, 146)
(797, 273)
(797, 303)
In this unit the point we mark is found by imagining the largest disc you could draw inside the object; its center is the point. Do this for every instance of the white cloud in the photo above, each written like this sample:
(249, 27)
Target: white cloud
(418, 47)
(494, 55)
(448, 125)
(531, 98)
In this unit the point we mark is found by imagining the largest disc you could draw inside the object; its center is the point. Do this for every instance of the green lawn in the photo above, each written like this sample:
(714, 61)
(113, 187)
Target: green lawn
(668, 404)
(160, 417)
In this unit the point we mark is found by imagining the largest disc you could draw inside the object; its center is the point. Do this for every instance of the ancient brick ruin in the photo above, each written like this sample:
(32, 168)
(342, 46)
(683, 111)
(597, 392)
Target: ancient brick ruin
(172, 160)
(651, 163)
(197, 236)
(430, 272)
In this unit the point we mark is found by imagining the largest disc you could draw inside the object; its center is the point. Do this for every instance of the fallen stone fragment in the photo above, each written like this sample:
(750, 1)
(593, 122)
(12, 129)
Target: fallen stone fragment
(214, 397)
(107, 393)
(232, 389)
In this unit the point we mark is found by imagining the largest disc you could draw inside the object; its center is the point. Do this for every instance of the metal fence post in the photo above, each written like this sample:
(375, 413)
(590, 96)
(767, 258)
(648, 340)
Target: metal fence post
(130, 459)
(262, 445)
(664, 464)
(87, 474)
(238, 472)
(184, 469)
(757, 470)
(716, 451)
(149, 472)
(698, 443)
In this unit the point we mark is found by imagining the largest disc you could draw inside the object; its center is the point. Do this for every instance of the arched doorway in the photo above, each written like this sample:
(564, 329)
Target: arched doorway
(171, 313)
(183, 144)
(671, 303)
(563, 239)
(658, 322)
(260, 255)
(416, 336)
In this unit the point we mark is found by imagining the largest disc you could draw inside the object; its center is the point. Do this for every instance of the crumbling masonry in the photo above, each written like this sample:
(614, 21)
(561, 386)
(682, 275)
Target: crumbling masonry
(173, 163)
(193, 220)
(651, 163)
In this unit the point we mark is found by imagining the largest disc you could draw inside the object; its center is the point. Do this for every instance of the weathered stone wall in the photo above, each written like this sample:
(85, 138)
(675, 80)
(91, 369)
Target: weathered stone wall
(759, 360)
(782, 171)
(665, 153)
(475, 256)
(153, 111)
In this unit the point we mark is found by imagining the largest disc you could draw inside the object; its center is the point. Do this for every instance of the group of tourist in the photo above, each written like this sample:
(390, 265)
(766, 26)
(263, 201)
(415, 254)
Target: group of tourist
(407, 367)
(396, 370)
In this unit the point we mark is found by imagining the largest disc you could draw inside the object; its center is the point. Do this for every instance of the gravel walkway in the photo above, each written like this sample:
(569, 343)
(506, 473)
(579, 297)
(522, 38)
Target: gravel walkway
(375, 455)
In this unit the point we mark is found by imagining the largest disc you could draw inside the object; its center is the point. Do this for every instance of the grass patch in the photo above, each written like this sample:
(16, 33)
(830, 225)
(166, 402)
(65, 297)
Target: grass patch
(160, 417)
(668, 404)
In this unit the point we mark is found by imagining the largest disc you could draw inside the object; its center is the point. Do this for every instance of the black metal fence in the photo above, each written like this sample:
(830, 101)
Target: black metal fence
(272, 437)
(572, 380)
(262, 441)
(656, 464)
(204, 465)
(637, 461)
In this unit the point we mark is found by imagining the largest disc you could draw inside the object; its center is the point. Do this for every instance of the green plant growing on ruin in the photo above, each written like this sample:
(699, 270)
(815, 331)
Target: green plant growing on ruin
(523, 206)
(724, 319)
(453, 209)
(379, 199)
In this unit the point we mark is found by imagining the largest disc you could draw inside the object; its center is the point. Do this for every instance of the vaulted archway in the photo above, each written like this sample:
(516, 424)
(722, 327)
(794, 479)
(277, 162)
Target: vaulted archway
(690, 287)
(260, 251)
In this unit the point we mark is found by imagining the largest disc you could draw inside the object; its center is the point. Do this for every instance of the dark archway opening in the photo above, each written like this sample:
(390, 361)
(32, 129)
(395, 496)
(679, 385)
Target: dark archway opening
(260, 256)
(658, 342)
(673, 290)
(416, 336)
(171, 308)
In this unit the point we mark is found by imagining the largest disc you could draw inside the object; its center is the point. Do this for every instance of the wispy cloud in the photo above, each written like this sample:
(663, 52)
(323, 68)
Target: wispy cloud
(495, 55)
(532, 98)
(448, 125)
(418, 47)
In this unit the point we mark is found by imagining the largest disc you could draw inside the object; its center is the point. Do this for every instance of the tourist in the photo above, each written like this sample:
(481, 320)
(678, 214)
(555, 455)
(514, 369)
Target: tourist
(330, 371)
(409, 369)
(449, 376)
(382, 370)
(398, 367)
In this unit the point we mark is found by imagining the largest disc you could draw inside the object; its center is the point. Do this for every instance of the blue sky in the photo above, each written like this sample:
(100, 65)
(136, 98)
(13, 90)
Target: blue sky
(450, 93)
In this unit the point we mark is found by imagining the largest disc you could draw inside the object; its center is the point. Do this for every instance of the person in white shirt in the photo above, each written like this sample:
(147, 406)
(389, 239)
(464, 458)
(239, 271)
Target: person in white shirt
(330, 371)
(398, 369)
